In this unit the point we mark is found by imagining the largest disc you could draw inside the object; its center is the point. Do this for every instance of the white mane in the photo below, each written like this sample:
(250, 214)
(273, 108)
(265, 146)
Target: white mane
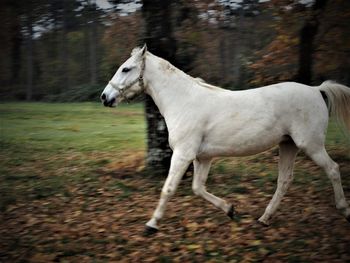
(204, 84)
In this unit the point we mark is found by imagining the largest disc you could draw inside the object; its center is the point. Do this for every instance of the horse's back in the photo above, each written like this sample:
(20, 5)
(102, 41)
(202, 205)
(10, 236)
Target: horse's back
(251, 121)
(289, 101)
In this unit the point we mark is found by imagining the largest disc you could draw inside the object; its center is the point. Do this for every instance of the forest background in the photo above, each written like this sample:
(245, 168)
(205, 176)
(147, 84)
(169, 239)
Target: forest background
(67, 50)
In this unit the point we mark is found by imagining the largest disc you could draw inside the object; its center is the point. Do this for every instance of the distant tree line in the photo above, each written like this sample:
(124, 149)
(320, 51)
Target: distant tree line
(54, 45)
(68, 49)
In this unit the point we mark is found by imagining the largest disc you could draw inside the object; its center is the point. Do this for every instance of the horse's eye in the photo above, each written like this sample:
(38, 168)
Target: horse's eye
(125, 70)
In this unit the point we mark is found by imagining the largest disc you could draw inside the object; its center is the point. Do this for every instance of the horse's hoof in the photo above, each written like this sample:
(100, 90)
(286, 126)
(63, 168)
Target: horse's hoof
(149, 231)
(231, 212)
(262, 223)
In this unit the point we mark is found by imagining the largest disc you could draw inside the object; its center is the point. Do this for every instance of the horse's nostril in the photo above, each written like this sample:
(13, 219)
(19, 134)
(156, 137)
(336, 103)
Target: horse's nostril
(103, 96)
(111, 102)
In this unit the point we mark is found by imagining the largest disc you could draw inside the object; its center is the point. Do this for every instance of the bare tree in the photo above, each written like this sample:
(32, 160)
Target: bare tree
(92, 41)
(307, 47)
(160, 41)
(29, 50)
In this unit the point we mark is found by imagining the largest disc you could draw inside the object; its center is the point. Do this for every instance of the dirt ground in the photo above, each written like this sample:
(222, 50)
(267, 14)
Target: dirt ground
(102, 219)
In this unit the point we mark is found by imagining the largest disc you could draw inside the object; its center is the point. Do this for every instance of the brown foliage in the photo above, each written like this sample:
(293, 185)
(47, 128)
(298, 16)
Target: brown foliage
(103, 220)
(278, 61)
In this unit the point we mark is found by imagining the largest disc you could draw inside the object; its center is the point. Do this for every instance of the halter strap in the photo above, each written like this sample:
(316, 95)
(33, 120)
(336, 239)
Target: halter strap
(139, 80)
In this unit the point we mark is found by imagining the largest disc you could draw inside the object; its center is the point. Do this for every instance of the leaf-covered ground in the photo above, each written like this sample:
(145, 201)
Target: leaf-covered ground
(81, 201)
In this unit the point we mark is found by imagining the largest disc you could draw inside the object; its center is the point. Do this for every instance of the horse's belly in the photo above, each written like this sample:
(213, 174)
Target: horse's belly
(241, 144)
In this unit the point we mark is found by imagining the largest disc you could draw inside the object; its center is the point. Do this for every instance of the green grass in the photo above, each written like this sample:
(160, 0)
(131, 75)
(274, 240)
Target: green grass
(85, 127)
(78, 126)
(337, 135)
(46, 147)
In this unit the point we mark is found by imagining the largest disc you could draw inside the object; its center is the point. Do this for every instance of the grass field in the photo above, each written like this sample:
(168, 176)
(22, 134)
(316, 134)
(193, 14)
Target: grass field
(82, 127)
(72, 190)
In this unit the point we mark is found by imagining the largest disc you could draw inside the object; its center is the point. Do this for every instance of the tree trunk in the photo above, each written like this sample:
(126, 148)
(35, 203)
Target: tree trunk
(159, 39)
(237, 44)
(223, 56)
(64, 56)
(29, 49)
(16, 48)
(306, 47)
(92, 42)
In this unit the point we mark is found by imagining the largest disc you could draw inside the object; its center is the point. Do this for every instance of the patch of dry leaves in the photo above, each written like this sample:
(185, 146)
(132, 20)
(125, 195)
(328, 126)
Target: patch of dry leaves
(103, 221)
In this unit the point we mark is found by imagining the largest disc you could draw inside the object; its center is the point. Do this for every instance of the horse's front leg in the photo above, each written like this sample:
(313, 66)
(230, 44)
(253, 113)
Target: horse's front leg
(179, 164)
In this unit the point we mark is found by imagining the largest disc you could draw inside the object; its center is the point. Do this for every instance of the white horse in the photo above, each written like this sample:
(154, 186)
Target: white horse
(205, 121)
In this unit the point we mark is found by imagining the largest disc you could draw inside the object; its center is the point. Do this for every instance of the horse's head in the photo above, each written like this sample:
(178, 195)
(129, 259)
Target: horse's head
(127, 81)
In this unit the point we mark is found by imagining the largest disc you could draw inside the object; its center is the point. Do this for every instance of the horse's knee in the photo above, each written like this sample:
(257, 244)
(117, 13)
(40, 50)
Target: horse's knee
(333, 172)
(197, 190)
(285, 181)
(166, 193)
(342, 204)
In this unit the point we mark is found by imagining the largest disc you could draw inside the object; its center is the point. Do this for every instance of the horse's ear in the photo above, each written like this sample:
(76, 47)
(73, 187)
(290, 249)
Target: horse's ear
(139, 51)
(144, 50)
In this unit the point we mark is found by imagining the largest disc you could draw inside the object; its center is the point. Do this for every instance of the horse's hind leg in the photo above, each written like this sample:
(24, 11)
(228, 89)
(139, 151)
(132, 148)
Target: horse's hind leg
(201, 170)
(331, 168)
(287, 153)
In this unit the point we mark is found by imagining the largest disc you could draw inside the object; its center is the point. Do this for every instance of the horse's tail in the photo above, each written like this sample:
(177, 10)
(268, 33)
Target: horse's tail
(338, 101)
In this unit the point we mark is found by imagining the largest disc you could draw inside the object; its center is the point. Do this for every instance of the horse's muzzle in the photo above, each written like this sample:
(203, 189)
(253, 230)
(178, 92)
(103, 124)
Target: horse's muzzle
(107, 103)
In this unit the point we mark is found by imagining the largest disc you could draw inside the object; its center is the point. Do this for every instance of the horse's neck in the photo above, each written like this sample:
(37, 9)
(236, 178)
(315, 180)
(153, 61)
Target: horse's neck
(169, 87)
